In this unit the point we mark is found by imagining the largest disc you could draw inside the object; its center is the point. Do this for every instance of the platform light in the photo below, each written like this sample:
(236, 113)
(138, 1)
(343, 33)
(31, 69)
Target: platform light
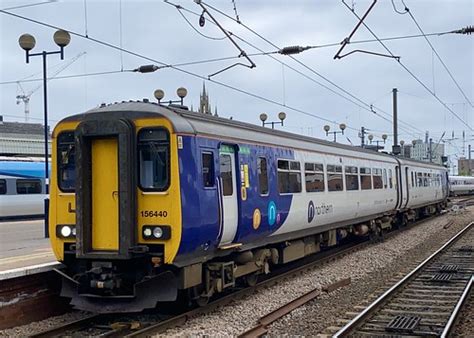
(327, 129)
(159, 95)
(281, 116)
(27, 42)
(61, 38)
(371, 137)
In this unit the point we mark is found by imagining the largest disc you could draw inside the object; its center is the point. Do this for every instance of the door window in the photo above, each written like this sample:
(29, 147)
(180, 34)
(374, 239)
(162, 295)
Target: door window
(226, 175)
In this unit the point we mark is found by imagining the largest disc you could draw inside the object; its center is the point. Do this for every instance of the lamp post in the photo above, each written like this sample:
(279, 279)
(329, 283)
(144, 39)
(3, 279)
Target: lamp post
(181, 92)
(371, 139)
(264, 117)
(28, 42)
(326, 128)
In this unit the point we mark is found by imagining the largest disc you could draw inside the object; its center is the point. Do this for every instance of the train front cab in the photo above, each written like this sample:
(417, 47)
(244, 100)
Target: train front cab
(115, 218)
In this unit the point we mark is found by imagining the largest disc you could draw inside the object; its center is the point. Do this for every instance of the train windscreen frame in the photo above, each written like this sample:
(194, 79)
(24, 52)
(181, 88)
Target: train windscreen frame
(154, 159)
(66, 151)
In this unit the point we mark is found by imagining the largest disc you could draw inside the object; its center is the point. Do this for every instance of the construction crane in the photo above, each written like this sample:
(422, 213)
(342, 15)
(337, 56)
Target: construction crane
(25, 98)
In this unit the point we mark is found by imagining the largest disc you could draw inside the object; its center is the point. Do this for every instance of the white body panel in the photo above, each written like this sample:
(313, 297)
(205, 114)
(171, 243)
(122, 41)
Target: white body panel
(229, 202)
(339, 206)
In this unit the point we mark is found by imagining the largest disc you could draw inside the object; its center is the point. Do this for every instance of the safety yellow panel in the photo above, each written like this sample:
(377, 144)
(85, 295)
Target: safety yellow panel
(105, 197)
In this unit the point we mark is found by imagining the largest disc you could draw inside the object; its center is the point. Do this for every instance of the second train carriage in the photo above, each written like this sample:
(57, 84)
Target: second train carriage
(147, 200)
(461, 185)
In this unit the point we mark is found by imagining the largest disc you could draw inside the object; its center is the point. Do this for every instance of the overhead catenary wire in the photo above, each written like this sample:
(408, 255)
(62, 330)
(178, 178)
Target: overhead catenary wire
(225, 85)
(436, 53)
(362, 104)
(408, 70)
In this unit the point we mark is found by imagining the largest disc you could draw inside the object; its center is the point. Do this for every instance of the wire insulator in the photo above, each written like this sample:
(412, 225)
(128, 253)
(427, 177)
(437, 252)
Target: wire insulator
(466, 30)
(292, 50)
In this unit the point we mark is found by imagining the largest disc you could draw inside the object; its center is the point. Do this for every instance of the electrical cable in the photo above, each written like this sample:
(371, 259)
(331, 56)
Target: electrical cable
(242, 91)
(365, 105)
(195, 29)
(436, 53)
(408, 70)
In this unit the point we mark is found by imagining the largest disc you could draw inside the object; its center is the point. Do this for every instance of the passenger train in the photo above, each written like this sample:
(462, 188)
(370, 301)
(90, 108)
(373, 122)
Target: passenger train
(151, 201)
(461, 185)
(22, 190)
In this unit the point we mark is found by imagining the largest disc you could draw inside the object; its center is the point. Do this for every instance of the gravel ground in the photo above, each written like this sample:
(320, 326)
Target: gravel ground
(36, 327)
(370, 269)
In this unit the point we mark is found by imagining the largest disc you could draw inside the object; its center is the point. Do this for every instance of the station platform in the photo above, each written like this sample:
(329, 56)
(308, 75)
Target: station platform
(23, 249)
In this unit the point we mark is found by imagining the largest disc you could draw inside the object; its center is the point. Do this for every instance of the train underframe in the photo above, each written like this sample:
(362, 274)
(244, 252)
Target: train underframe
(106, 286)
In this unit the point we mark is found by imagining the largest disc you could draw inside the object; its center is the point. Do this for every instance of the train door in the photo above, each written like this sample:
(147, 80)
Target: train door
(407, 184)
(228, 194)
(399, 186)
(104, 201)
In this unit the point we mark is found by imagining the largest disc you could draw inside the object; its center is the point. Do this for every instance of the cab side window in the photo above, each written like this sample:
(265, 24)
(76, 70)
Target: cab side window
(208, 169)
(262, 175)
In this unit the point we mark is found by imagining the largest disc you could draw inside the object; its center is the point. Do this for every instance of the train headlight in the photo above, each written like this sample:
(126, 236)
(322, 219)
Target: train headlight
(151, 232)
(66, 231)
(157, 232)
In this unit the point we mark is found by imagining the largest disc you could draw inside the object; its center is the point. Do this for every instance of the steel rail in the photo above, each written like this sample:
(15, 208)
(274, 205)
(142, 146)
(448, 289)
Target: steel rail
(345, 330)
(457, 309)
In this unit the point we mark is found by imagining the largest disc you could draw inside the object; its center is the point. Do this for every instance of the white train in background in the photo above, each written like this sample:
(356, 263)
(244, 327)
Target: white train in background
(22, 188)
(461, 185)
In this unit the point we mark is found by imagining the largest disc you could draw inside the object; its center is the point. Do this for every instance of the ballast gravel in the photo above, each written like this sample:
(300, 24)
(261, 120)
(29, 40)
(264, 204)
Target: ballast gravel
(370, 270)
(36, 327)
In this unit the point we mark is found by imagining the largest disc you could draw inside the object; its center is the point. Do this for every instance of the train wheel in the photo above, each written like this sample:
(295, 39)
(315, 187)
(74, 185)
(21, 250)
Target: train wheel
(202, 300)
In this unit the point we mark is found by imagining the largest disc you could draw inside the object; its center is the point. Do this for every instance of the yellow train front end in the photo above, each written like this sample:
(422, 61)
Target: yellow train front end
(115, 210)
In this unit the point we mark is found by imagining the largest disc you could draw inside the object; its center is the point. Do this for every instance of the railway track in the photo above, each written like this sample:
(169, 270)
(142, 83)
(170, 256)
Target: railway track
(425, 302)
(139, 325)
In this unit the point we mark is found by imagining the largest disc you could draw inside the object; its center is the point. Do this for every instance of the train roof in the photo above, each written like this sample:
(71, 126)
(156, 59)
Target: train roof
(22, 168)
(188, 122)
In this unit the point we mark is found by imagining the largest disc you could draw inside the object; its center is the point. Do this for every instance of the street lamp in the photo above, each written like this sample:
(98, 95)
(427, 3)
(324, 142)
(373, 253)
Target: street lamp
(181, 92)
(264, 117)
(342, 126)
(28, 42)
(384, 139)
(402, 144)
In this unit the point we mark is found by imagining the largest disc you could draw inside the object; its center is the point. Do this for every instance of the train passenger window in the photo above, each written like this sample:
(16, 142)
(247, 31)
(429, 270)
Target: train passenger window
(335, 182)
(419, 179)
(154, 159)
(289, 176)
(385, 179)
(352, 178)
(66, 150)
(390, 178)
(412, 180)
(377, 173)
(28, 186)
(425, 179)
(365, 179)
(262, 175)
(226, 174)
(314, 177)
(3, 187)
(208, 169)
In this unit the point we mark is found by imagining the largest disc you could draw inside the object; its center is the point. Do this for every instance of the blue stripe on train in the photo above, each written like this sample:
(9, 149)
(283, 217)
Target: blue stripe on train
(22, 169)
(200, 206)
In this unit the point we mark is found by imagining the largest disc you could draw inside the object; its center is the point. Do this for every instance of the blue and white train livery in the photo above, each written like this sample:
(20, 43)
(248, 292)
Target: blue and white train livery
(148, 201)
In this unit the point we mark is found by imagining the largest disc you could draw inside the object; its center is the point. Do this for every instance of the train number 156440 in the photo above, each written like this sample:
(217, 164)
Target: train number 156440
(154, 213)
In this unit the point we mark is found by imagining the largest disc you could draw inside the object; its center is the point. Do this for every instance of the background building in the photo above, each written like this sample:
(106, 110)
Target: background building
(22, 139)
(421, 151)
(465, 167)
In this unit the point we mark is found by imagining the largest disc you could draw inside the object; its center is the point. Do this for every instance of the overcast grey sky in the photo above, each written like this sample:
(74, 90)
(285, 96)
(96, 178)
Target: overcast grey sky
(156, 30)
